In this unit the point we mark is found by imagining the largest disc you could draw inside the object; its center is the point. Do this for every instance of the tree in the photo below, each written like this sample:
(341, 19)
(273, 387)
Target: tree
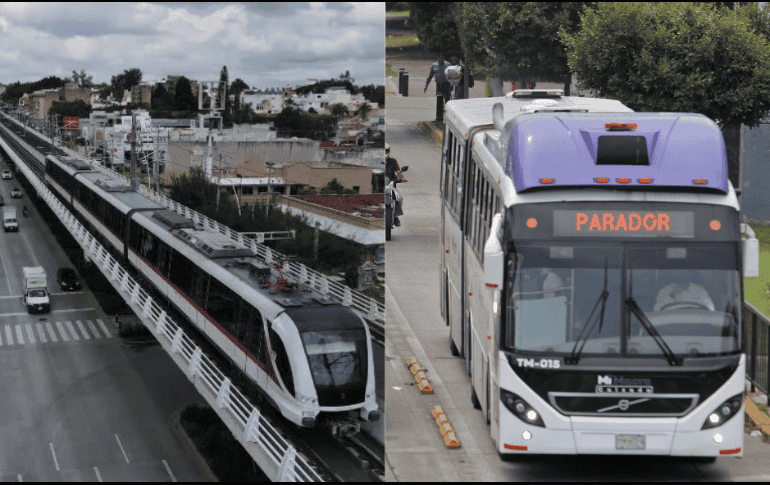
(236, 88)
(678, 57)
(519, 41)
(161, 99)
(436, 28)
(227, 114)
(82, 79)
(125, 81)
(183, 96)
(338, 110)
(363, 111)
(70, 108)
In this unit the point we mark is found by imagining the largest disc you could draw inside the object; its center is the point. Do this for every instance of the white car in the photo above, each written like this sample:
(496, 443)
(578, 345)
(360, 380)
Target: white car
(7, 174)
(15, 193)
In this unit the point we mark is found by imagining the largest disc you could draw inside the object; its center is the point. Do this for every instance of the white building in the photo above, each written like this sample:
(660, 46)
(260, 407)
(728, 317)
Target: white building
(333, 95)
(263, 102)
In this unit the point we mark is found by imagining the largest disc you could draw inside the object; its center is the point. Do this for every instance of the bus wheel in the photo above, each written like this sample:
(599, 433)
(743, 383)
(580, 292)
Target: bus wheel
(453, 348)
(475, 399)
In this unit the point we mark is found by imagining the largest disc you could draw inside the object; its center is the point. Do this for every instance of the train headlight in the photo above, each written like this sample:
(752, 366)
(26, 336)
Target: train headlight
(520, 408)
(724, 412)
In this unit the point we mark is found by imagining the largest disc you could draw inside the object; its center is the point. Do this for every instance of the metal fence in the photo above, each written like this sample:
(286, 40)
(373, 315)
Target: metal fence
(277, 457)
(757, 345)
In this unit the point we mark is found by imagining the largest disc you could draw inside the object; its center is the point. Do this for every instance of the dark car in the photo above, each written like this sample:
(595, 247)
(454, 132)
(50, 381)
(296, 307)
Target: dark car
(2, 201)
(67, 279)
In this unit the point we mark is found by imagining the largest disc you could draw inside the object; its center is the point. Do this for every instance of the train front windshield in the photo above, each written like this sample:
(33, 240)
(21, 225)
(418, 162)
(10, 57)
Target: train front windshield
(337, 357)
(610, 293)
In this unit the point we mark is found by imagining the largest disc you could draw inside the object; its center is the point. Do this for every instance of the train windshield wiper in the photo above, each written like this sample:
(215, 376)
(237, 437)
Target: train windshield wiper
(639, 313)
(574, 357)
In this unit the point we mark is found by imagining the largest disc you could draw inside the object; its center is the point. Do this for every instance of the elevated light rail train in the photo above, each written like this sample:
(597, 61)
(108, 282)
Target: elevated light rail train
(311, 357)
(592, 269)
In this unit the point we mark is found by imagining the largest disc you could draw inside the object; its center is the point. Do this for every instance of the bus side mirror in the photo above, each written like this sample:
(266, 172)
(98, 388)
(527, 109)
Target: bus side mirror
(493, 255)
(750, 251)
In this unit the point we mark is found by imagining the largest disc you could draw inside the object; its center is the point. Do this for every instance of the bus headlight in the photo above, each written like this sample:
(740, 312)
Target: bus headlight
(724, 412)
(520, 408)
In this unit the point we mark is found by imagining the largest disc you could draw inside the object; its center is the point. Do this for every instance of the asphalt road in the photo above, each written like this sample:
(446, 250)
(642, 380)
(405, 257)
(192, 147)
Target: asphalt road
(414, 449)
(77, 405)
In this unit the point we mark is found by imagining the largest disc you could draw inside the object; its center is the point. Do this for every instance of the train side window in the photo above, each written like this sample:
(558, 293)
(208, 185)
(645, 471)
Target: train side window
(282, 361)
(164, 260)
(200, 288)
(181, 273)
(222, 306)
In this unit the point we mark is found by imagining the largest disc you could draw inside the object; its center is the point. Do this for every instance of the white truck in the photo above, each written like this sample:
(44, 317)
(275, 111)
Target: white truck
(10, 222)
(36, 295)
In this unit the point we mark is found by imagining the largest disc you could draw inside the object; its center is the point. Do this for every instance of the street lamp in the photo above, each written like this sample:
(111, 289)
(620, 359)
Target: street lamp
(269, 168)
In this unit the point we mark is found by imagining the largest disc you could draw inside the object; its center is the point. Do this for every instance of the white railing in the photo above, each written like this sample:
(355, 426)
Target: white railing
(275, 456)
(371, 309)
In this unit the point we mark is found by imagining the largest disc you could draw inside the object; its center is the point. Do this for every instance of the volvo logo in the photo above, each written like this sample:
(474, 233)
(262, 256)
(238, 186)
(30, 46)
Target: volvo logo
(623, 405)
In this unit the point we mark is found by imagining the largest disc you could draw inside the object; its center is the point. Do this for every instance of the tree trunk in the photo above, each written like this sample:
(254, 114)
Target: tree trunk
(732, 135)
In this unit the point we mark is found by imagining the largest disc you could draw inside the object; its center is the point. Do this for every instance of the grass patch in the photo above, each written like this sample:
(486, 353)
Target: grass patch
(756, 289)
(390, 72)
(400, 13)
(401, 40)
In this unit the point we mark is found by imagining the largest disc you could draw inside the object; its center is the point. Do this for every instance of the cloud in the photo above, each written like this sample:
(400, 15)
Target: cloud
(261, 43)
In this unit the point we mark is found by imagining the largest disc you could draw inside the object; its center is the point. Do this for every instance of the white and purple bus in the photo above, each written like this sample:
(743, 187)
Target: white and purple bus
(592, 267)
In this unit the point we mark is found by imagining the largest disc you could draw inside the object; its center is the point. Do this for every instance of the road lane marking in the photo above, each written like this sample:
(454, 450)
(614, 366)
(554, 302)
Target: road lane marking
(103, 327)
(19, 336)
(48, 326)
(55, 462)
(40, 333)
(98, 475)
(93, 329)
(30, 334)
(121, 448)
(170, 473)
(82, 329)
(8, 335)
(72, 329)
(7, 279)
(62, 331)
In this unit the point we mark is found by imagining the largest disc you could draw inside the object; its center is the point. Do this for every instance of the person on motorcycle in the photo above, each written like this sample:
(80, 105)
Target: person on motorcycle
(392, 170)
(24, 211)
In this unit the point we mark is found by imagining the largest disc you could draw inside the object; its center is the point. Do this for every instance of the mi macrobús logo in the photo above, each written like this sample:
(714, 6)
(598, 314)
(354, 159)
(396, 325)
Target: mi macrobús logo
(623, 385)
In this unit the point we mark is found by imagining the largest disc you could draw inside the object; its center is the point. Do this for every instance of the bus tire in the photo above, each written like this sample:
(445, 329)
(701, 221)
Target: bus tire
(453, 348)
(475, 399)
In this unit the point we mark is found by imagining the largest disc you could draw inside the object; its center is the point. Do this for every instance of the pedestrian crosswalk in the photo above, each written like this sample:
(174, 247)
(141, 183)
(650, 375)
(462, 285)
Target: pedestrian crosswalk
(53, 332)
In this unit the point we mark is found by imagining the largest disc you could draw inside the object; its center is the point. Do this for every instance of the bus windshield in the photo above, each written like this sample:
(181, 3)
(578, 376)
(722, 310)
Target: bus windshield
(689, 293)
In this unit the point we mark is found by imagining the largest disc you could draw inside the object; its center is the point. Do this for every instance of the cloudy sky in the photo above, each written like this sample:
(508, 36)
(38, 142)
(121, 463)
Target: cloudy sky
(265, 44)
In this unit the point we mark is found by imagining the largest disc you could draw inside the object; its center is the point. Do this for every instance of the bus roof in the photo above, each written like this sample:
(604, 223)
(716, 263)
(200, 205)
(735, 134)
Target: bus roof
(642, 150)
(469, 113)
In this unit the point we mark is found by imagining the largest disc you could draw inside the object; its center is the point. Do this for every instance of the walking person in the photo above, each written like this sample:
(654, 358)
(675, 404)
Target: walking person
(461, 92)
(443, 88)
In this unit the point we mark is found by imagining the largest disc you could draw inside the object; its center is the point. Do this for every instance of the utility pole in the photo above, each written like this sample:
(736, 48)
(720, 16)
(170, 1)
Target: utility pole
(134, 177)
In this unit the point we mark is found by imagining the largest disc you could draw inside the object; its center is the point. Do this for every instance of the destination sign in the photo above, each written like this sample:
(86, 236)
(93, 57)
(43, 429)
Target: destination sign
(633, 223)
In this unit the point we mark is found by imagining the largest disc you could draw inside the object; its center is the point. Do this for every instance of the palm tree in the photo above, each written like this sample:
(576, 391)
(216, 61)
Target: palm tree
(363, 111)
(338, 110)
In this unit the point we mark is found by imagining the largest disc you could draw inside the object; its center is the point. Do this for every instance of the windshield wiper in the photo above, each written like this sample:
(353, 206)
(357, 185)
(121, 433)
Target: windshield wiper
(639, 313)
(574, 357)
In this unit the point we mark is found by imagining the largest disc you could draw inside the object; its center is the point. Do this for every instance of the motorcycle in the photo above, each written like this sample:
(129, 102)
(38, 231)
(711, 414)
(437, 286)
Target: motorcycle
(24, 211)
(393, 204)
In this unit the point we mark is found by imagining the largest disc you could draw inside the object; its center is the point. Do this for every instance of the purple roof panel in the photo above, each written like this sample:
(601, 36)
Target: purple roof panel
(681, 147)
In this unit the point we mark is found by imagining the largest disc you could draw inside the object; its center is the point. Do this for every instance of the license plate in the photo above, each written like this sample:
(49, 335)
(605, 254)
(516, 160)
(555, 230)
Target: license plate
(629, 441)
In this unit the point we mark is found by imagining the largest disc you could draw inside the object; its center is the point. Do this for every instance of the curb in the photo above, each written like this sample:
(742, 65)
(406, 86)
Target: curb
(759, 418)
(432, 131)
(187, 442)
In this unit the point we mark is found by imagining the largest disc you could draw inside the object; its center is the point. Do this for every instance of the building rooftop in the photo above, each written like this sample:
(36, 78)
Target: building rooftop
(366, 205)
